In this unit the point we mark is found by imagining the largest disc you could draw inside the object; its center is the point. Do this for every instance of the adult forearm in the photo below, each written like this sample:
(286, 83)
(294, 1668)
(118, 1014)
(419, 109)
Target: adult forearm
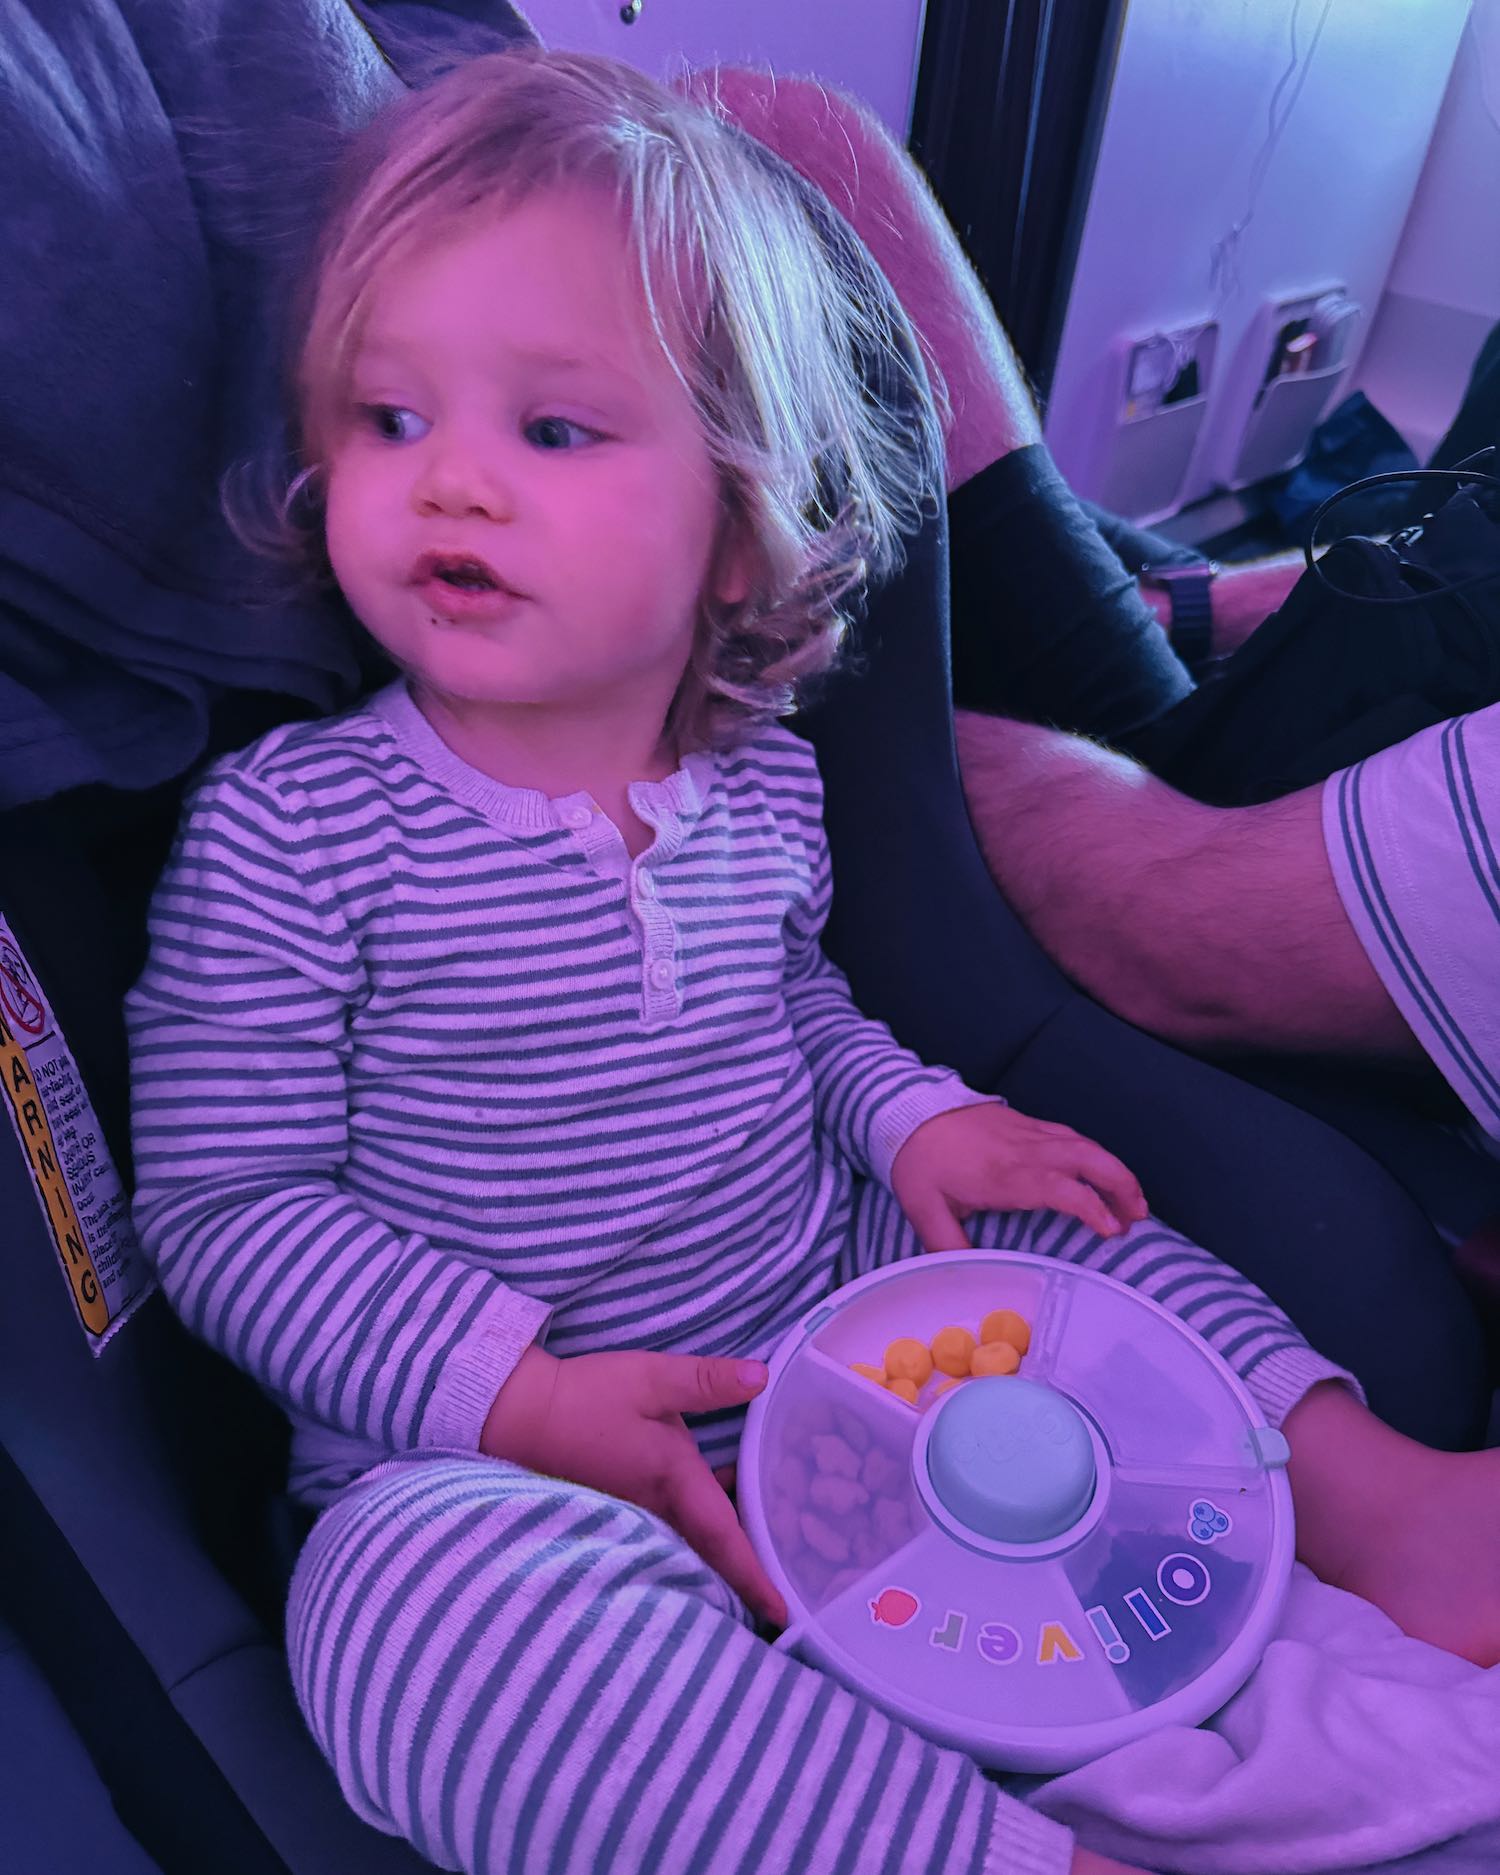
(1077, 837)
(1213, 927)
(1244, 597)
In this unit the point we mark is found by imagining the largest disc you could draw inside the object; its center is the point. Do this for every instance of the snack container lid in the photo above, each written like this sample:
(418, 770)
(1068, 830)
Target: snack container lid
(1032, 1568)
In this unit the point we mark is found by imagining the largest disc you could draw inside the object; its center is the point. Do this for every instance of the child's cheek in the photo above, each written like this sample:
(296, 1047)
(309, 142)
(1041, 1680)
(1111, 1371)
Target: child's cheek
(346, 514)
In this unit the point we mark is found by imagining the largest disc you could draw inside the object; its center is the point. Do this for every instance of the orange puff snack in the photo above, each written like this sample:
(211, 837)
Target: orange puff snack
(1006, 1325)
(954, 1355)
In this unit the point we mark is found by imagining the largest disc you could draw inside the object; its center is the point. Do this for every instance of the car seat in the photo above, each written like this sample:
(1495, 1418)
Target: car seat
(148, 1543)
(145, 1544)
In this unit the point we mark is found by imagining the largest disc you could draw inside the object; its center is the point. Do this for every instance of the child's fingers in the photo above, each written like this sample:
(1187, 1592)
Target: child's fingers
(1110, 1177)
(699, 1510)
(1076, 1199)
(937, 1223)
(695, 1383)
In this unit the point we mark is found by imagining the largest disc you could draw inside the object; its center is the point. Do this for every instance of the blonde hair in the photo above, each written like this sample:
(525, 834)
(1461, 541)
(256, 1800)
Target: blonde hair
(803, 370)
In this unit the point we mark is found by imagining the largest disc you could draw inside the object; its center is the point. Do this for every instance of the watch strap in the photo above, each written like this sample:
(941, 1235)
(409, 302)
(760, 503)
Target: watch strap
(1189, 590)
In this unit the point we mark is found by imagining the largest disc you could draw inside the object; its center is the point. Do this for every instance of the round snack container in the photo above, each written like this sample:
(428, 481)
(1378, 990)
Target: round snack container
(1037, 1567)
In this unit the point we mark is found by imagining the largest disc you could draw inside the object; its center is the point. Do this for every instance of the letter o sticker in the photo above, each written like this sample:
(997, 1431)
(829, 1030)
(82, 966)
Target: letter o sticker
(1183, 1579)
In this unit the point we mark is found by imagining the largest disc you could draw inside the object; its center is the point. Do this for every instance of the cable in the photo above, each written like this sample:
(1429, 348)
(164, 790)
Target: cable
(1458, 477)
(1223, 277)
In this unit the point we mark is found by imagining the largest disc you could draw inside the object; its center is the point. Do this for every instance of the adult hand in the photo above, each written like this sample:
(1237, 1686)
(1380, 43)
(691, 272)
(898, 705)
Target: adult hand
(991, 1158)
(614, 1422)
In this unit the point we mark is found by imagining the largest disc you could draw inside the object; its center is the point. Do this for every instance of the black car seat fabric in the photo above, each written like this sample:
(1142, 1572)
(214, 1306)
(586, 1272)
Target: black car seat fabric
(138, 1566)
(56, 1811)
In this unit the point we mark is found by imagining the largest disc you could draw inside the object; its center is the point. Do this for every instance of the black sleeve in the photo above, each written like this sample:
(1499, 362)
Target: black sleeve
(1134, 546)
(1047, 621)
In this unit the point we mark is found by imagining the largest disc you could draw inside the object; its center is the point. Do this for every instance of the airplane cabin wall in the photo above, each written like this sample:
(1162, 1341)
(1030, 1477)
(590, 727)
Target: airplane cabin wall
(1443, 294)
(1199, 216)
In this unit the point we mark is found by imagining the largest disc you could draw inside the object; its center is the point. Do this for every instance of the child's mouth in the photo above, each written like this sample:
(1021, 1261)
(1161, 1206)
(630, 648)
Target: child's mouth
(467, 579)
(466, 572)
(461, 586)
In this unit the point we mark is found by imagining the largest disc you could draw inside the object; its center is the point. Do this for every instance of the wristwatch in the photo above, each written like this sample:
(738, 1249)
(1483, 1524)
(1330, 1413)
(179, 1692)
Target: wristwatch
(1188, 586)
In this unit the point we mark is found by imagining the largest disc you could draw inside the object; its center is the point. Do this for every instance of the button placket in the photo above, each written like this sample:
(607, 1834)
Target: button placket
(661, 990)
(596, 834)
(660, 982)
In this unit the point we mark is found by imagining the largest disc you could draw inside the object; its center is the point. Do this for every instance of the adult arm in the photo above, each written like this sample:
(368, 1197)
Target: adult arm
(1046, 619)
(1212, 927)
(839, 145)
(1242, 598)
(1412, 832)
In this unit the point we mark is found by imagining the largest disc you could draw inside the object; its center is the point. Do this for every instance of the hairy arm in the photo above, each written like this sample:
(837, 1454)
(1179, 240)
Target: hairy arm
(1243, 597)
(1213, 927)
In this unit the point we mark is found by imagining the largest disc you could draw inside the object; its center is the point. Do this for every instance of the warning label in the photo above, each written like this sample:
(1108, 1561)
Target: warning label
(76, 1182)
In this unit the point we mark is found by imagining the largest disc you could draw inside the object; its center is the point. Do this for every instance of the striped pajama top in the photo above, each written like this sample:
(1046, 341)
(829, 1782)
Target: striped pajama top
(427, 1067)
(1413, 838)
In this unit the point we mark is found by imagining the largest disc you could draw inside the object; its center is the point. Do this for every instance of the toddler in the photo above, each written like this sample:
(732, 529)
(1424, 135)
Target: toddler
(496, 1107)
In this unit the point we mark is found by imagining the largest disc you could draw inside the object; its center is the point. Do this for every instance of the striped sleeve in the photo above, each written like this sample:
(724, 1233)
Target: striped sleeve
(1411, 835)
(240, 1120)
(871, 1093)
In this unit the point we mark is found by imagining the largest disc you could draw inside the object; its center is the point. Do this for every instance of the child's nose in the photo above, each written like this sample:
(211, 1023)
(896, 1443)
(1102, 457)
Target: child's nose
(461, 480)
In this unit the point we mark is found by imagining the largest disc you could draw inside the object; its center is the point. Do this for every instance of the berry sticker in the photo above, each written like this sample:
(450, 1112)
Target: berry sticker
(1207, 1523)
(894, 1607)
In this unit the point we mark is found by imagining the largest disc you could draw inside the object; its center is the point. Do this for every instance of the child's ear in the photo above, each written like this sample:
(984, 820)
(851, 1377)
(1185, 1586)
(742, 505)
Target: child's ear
(729, 576)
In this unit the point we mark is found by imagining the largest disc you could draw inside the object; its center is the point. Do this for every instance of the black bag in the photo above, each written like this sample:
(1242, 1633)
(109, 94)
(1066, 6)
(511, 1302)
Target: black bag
(1376, 641)
(1352, 443)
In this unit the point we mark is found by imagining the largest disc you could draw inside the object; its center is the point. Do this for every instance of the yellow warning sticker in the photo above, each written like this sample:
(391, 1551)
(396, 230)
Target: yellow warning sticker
(76, 1183)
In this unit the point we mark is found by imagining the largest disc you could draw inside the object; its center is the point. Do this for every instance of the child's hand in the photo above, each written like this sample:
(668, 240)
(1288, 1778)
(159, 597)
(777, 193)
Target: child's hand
(614, 1422)
(991, 1158)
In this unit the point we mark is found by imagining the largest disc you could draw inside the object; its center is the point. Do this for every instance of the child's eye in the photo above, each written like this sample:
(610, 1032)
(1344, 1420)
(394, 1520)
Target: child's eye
(393, 423)
(559, 433)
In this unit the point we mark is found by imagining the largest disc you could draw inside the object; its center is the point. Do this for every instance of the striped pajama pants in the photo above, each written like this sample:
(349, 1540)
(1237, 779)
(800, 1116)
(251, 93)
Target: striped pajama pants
(525, 1677)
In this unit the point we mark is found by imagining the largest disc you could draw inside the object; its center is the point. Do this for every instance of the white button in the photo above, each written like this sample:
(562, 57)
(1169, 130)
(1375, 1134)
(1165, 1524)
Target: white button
(662, 974)
(644, 884)
(577, 816)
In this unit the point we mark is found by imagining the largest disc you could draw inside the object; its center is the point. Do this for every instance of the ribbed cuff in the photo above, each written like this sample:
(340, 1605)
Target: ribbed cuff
(897, 1121)
(1283, 1378)
(1025, 1843)
(474, 1374)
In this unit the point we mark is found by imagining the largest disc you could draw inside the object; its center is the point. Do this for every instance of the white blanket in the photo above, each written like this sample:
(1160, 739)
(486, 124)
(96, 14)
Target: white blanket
(1352, 1747)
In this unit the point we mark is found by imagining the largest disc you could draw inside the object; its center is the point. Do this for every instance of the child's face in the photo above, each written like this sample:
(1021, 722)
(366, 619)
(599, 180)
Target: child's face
(516, 428)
